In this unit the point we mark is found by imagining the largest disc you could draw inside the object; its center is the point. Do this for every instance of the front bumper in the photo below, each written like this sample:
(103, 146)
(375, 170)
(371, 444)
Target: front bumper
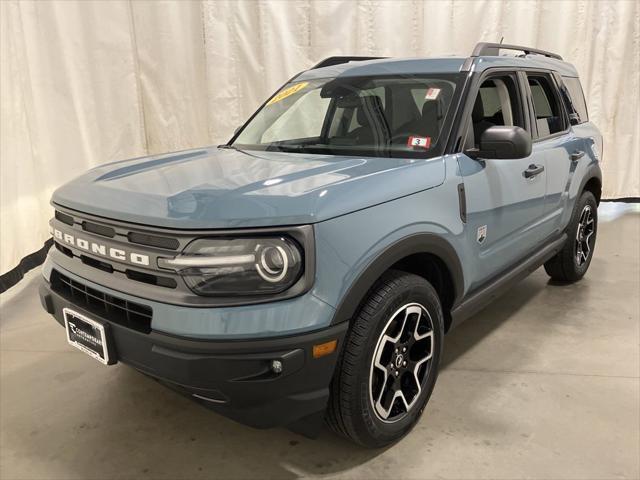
(232, 377)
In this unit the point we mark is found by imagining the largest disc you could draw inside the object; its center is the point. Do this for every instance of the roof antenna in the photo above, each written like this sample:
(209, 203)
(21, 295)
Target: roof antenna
(502, 40)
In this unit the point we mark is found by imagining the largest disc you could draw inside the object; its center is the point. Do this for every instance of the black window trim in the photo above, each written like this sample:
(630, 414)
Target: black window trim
(554, 85)
(561, 83)
(470, 97)
(524, 87)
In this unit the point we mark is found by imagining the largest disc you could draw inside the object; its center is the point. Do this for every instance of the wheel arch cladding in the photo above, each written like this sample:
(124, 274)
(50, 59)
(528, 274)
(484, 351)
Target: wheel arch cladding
(594, 185)
(426, 255)
(592, 181)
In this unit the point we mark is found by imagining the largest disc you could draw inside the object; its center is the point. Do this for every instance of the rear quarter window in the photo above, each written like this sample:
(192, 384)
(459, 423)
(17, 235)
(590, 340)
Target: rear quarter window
(575, 98)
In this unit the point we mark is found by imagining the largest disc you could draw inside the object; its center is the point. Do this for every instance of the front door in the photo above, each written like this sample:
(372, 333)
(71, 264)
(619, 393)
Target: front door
(505, 198)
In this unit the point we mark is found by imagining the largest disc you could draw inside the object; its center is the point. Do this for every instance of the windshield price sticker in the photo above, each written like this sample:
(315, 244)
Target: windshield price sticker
(419, 142)
(287, 92)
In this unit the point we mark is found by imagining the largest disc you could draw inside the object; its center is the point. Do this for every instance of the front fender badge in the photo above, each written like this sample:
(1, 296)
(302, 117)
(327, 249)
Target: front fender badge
(482, 234)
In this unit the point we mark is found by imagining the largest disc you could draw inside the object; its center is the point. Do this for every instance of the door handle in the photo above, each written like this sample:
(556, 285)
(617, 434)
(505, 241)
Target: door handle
(577, 155)
(533, 170)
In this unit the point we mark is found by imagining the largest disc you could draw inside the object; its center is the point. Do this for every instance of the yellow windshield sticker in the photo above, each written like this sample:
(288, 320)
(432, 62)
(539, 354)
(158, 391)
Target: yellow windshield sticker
(287, 92)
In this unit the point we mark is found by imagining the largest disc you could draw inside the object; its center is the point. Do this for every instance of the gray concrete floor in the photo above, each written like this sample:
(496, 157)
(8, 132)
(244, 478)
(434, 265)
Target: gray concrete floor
(544, 383)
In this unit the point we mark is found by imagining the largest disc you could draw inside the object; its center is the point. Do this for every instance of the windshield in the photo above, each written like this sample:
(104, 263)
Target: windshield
(395, 116)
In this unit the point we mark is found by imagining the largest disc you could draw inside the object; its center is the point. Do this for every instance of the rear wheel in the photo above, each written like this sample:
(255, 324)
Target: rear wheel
(572, 262)
(389, 363)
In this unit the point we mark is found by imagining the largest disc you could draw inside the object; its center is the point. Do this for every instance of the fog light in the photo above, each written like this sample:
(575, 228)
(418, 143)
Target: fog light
(276, 366)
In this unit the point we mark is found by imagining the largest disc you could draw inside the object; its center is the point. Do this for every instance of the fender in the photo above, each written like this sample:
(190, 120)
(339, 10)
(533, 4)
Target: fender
(412, 244)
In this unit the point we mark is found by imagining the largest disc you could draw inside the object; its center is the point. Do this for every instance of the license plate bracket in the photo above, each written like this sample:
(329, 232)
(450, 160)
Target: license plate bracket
(88, 335)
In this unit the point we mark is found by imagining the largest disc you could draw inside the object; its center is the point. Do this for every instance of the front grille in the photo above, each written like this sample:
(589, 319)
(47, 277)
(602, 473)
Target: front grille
(63, 249)
(123, 239)
(151, 279)
(64, 218)
(153, 240)
(92, 262)
(98, 229)
(118, 310)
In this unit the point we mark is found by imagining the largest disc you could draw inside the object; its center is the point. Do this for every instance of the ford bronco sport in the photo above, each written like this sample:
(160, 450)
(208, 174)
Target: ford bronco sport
(309, 269)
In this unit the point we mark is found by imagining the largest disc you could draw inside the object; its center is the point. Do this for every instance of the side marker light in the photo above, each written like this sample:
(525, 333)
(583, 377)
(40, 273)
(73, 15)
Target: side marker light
(324, 349)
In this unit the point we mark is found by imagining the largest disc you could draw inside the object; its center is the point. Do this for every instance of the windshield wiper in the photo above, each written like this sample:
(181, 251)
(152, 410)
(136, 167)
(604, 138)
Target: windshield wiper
(288, 148)
(228, 146)
(297, 148)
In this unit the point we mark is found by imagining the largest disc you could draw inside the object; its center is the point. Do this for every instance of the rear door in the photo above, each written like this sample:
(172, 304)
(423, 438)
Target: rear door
(554, 141)
(504, 198)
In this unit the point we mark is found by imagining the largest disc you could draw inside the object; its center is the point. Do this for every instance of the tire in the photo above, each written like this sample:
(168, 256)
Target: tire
(572, 262)
(358, 385)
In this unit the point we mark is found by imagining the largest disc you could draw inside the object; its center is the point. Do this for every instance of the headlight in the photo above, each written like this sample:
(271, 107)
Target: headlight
(240, 266)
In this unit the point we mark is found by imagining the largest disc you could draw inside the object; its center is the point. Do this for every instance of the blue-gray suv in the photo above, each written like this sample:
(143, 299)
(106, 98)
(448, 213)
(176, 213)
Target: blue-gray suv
(308, 270)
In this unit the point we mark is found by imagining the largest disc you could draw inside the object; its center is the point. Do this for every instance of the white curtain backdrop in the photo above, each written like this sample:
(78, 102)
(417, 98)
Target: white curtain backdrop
(89, 82)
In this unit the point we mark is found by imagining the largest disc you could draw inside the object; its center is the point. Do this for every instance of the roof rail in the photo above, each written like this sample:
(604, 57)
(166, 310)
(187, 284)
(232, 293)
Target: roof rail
(493, 49)
(330, 61)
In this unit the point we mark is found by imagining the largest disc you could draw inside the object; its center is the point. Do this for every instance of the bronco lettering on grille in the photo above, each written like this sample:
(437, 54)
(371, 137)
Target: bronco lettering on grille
(101, 249)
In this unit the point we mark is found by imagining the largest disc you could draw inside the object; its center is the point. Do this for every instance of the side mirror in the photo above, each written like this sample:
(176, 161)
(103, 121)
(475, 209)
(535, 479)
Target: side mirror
(503, 142)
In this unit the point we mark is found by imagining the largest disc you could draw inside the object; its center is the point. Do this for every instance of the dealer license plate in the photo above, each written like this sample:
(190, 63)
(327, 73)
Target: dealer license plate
(87, 335)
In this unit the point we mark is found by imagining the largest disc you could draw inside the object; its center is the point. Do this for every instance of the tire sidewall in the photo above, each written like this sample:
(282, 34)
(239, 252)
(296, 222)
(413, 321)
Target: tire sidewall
(385, 433)
(586, 198)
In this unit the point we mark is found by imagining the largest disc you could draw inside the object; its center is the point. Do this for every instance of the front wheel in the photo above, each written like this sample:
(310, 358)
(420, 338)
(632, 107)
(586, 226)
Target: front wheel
(572, 262)
(389, 363)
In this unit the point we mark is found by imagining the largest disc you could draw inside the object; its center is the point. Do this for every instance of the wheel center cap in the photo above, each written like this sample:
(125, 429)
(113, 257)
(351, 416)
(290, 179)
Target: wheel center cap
(398, 361)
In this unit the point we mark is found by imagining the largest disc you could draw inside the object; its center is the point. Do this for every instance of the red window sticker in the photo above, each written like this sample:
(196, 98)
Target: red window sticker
(432, 94)
(419, 142)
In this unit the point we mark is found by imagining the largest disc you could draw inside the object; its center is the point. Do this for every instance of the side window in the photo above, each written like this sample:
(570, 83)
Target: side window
(574, 98)
(546, 106)
(498, 103)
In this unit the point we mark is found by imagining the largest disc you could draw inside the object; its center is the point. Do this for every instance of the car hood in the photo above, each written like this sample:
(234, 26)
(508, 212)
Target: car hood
(225, 188)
